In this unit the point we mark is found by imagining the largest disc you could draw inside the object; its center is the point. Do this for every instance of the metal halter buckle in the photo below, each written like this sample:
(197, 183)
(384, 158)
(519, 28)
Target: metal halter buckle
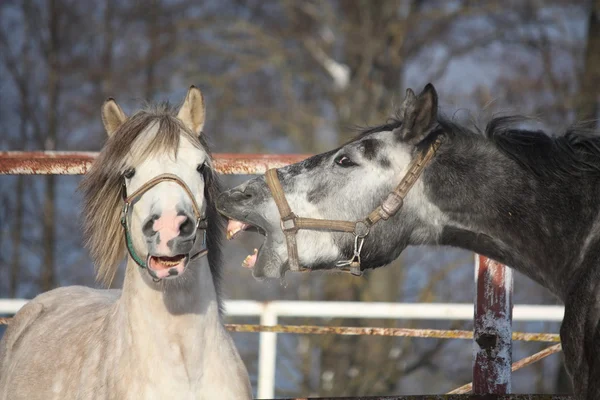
(124, 213)
(354, 261)
(391, 205)
(288, 223)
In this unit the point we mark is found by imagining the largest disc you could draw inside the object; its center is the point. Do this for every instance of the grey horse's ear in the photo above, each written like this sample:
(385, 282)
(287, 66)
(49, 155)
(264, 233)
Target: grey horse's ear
(112, 116)
(419, 115)
(193, 112)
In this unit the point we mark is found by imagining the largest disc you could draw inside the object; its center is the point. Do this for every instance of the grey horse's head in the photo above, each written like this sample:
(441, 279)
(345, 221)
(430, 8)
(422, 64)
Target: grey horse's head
(344, 184)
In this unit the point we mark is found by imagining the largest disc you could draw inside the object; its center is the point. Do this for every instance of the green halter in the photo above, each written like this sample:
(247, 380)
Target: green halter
(128, 200)
(128, 241)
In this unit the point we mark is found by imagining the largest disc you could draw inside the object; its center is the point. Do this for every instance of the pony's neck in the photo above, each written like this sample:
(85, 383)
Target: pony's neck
(501, 211)
(182, 313)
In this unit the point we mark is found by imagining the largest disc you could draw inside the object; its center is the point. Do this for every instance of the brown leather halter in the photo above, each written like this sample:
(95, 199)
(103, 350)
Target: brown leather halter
(129, 200)
(291, 224)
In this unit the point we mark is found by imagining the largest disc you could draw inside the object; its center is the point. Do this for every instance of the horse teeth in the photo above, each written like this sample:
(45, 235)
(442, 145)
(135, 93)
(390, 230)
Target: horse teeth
(233, 227)
(168, 263)
(246, 262)
(250, 259)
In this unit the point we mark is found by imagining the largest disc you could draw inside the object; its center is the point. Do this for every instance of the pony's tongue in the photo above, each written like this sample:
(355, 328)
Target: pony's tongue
(233, 227)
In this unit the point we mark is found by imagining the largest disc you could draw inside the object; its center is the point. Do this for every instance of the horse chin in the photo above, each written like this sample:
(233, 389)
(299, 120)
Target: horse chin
(268, 264)
(264, 261)
(167, 267)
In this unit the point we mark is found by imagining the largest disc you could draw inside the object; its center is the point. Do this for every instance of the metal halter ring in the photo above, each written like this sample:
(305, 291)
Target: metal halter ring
(354, 262)
(288, 223)
(361, 229)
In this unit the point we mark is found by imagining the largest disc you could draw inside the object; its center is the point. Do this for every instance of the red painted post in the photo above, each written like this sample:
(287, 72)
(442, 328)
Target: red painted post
(492, 336)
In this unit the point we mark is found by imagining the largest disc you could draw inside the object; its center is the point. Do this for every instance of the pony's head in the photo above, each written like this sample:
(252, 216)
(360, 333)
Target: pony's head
(345, 184)
(149, 190)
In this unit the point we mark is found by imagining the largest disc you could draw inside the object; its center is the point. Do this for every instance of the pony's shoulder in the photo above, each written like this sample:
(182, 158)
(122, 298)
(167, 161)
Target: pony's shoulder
(19, 325)
(76, 295)
(57, 303)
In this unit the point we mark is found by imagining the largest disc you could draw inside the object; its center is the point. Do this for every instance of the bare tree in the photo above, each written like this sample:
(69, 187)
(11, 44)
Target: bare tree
(589, 100)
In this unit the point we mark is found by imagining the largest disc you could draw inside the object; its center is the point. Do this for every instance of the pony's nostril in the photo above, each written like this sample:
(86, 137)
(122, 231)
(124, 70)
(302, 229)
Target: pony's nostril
(148, 227)
(187, 227)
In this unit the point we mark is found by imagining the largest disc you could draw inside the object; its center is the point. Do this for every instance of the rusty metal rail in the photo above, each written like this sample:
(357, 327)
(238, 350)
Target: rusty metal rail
(372, 331)
(78, 163)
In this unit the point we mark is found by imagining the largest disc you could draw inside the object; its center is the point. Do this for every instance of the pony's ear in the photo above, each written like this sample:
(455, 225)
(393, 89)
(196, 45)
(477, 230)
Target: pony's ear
(419, 115)
(112, 116)
(193, 112)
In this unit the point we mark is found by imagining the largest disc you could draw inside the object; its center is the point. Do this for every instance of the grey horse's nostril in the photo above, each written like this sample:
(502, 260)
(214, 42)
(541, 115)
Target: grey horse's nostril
(148, 227)
(238, 195)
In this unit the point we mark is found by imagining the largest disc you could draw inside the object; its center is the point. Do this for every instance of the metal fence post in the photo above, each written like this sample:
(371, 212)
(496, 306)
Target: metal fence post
(492, 336)
(267, 354)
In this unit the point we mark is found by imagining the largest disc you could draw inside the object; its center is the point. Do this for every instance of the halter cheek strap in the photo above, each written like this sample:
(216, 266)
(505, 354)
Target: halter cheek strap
(129, 200)
(291, 224)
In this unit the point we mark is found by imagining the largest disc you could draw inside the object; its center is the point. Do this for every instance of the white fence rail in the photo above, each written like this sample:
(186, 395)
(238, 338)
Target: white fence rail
(270, 312)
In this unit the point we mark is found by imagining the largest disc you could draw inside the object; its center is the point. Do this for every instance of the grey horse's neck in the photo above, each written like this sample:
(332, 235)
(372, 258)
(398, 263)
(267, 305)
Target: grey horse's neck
(513, 216)
(181, 314)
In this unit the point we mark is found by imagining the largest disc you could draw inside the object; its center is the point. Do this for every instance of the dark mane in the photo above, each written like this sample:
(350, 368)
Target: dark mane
(390, 125)
(216, 222)
(574, 153)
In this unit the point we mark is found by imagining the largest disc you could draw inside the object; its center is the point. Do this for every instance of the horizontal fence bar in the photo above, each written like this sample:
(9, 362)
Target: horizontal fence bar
(77, 162)
(365, 310)
(382, 310)
(354, 309)
(371, 331)
(375, 331)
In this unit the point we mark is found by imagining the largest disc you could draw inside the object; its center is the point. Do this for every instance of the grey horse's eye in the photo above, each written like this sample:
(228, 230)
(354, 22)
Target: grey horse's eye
(129, 173)
(344, 161)
(201, 167)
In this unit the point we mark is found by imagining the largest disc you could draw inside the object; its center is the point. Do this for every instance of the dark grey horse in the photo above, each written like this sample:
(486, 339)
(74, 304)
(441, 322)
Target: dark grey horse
(521, 197)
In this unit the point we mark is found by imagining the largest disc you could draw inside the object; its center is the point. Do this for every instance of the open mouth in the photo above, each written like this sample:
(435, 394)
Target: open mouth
(166, 266)
(234, 227)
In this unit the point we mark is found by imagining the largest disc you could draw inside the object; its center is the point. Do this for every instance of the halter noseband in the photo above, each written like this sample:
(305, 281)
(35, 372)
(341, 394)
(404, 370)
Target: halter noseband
(128, 201)
(291, 224)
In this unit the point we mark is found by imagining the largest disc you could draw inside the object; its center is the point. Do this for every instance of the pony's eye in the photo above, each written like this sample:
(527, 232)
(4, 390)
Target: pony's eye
(201, 167)
(129, 173)
(344, 161)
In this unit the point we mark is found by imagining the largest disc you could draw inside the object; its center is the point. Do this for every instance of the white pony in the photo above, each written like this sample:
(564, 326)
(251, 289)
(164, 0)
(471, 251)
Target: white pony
(150, 195)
